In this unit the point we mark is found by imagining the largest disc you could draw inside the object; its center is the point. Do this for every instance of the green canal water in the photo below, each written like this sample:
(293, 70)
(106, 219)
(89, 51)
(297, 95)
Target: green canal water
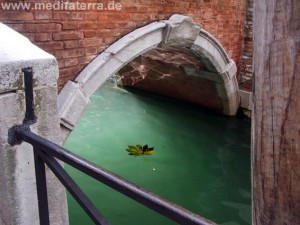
(201, 160)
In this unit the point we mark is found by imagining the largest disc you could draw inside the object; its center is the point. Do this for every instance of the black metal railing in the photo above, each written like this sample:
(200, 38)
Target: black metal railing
(46, 152)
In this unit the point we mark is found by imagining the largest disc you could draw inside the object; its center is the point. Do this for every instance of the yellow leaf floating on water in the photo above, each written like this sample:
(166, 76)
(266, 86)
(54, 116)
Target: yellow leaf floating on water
(132, 149)
(139, 150)
(149, 152)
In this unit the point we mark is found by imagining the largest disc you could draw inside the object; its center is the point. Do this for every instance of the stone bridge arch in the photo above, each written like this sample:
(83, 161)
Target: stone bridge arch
(177, 31)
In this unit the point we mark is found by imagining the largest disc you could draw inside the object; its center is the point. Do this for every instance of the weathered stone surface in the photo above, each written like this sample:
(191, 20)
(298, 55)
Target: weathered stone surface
(16, 170)
(18, 205)
(229, 72)
(132, 37)
(210, 51)
(229, 96)
(246, 99)
(17, 52)
(48, 126)
(76, 104)
(180, 30)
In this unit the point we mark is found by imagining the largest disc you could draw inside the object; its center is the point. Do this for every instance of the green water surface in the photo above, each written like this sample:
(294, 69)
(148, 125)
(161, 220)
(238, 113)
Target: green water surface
(201, 160)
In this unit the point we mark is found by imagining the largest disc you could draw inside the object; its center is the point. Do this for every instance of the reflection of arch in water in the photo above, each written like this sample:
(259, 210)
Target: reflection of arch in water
(177, 31)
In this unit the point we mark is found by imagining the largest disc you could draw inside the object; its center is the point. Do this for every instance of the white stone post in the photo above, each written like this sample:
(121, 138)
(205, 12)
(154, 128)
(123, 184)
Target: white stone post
(18, 199)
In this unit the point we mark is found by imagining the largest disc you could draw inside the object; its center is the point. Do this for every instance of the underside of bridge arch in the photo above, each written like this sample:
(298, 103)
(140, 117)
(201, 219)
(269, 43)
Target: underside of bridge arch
(199, 70)
(175, 72)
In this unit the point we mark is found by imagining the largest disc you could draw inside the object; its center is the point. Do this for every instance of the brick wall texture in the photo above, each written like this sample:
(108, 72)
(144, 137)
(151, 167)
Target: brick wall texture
(75, 37)
(246, 70)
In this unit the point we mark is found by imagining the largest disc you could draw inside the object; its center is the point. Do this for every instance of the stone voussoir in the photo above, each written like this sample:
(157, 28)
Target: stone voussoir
(180, 31)
(74, 97)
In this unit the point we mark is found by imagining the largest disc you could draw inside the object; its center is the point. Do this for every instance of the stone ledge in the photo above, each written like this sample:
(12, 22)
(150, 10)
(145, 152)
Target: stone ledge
(17, 52)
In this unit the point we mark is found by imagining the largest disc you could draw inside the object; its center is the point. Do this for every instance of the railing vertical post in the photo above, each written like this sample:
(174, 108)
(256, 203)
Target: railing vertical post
(41, 187)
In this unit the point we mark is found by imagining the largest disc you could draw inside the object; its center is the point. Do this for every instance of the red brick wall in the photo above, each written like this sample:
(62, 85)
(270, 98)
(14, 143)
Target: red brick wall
(76, 37)
(246, 70)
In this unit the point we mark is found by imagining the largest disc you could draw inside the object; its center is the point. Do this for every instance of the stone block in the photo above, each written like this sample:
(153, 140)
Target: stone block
(210, 51)
(229, 96)
(133, 36)
(18, 205)
(92, 68)
(138, 47)
(180, 31)
(109, 68)
(71, 104)
(17, 167)
(246, 99)
(11, 106)
(229, 72)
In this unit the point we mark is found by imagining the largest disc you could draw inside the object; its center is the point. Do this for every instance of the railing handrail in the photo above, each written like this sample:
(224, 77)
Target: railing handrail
(160, 205)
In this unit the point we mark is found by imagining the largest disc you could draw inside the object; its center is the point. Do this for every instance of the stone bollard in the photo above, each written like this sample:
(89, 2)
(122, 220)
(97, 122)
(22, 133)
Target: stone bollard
(18, 198)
